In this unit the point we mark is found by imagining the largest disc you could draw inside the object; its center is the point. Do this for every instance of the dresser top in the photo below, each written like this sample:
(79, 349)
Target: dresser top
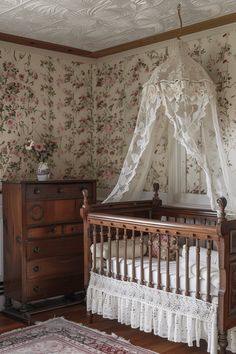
(50, 181)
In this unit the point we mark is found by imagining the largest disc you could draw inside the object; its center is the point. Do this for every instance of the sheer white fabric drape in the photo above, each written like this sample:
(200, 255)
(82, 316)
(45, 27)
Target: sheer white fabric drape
(180, 93)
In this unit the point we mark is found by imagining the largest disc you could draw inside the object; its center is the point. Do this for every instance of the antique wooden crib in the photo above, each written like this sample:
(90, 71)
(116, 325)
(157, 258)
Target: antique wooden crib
(168, 270)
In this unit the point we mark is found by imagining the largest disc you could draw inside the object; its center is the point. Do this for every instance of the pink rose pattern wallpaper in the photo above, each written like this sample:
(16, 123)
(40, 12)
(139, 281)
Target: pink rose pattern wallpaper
(217, 54)
(45, 99)
(90, 111)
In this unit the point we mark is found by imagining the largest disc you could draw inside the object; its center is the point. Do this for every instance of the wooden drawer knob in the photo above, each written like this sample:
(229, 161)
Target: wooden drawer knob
(36, 288)
(60, 190)
(36, 190)
(18, 239)
(36, 249)
(36, 269)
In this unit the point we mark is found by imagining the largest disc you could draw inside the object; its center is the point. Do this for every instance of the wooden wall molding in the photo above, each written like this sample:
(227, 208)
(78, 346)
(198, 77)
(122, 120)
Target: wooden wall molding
(43, 45)
(197, 27)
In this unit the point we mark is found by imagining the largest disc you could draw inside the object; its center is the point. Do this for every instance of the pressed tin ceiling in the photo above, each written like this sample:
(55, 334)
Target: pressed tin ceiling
(94, 25)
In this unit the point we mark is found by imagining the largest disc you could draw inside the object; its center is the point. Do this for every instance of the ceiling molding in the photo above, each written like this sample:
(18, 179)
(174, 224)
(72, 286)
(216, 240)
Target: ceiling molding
(43, 45)
(197, 27)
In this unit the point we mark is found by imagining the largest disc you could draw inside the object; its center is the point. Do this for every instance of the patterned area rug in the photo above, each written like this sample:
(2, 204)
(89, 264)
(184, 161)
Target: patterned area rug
(60, 336)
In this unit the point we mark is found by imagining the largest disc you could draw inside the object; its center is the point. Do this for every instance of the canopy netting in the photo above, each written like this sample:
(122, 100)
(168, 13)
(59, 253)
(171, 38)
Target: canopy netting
(181, 93)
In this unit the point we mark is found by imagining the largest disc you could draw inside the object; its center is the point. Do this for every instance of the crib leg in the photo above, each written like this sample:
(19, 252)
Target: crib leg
(223, 343)
(89, 316)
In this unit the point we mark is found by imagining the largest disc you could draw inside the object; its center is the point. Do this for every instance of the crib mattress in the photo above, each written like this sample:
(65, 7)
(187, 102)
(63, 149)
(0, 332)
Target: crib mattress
(214, 278)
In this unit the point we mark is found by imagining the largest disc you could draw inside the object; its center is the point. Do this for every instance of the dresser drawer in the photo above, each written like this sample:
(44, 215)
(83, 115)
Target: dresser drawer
(58, 191)
(54, 267)
(73, 229)
(52, 211)
(52, 248)
(42, 289)
(45, 231)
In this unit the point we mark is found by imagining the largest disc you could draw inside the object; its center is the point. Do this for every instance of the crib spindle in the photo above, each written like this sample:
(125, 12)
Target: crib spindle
(186, 267)
(141, 259)
(109, 250)
(159, 262)
(101, 270)
(197, 294)
(133, 256)
(94, 248)
(209, 247)
(117, 255)
(125, 255)
(177, 267)
(150, 283)
(168, 264)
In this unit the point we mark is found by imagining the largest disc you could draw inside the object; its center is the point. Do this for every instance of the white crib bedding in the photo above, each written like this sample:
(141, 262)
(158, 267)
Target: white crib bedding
(142, 307)
(130, 302)
(214, 278)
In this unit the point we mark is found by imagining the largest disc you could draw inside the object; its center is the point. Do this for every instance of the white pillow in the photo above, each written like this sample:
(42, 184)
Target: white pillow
(121, 249)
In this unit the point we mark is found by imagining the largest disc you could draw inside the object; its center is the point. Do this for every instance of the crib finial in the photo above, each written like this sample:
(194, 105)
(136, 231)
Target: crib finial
(85, 206)
(221, 217)
(85, 200)
(156, 200)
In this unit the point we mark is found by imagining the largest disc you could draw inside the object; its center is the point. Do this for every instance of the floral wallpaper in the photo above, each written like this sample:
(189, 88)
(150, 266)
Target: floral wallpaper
(90, 110)
(45, 98)
(217, 54)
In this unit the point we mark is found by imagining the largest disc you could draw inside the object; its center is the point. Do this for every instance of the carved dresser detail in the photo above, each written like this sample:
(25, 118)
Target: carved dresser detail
(43, 239)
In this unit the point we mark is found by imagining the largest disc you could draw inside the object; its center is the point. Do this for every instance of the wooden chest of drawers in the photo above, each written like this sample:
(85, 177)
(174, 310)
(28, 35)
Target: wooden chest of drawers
(43, 238)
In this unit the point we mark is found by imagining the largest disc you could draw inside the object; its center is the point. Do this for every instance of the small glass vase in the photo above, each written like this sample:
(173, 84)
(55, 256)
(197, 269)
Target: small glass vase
(43, 171)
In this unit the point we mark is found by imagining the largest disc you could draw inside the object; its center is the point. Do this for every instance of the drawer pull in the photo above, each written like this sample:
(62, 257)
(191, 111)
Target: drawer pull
(36, 249)
(36, 269)
(36, 190)
(53, 229)
(60, 190)
(18, 239)
(36, 288)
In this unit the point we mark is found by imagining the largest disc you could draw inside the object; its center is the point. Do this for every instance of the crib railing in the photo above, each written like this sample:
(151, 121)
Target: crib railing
(110, 228)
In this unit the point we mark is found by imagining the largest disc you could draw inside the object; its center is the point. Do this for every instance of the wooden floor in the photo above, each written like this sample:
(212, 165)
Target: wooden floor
(77, 313)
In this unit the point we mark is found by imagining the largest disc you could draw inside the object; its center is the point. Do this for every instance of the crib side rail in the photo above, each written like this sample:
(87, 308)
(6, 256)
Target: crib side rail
(132, 208)
(122, 229)
(172, 213)
(206, 232)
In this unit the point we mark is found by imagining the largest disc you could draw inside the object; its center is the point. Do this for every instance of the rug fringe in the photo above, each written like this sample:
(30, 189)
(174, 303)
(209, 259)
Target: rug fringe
(120, 338)
(51, 319)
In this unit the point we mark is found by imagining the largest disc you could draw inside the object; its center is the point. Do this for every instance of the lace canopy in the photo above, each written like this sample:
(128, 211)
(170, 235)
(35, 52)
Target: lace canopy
(179, 93)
